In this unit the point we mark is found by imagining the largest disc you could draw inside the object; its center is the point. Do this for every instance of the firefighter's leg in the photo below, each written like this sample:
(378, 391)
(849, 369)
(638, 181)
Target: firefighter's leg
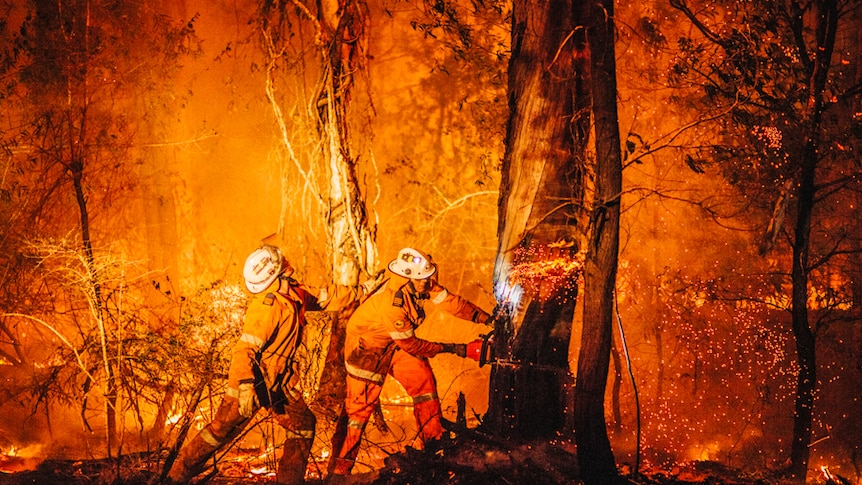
(338, 437)
(193, 457)
(362, 396)
(299, 423)
(417, 377)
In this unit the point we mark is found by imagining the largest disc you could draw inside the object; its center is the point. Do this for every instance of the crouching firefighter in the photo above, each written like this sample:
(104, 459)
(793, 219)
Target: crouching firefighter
(263, 370)
(380, 342)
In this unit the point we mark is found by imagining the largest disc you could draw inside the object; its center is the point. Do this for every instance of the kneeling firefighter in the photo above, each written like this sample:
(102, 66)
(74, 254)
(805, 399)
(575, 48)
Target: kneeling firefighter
(263, 370)
(380, 341)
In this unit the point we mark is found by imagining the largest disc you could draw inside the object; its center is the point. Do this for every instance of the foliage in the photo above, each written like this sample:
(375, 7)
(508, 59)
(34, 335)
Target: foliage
(154, 356)
(756, 59)
(73, 81)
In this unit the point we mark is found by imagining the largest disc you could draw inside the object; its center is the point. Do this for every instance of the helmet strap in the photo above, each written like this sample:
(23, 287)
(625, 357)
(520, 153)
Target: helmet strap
(416, 293)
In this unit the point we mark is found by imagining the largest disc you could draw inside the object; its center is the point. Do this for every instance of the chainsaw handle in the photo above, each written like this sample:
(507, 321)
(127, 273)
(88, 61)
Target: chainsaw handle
(483, 354)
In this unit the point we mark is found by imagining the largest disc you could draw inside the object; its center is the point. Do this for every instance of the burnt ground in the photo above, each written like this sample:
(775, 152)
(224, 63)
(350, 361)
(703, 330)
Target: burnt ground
(462, 460)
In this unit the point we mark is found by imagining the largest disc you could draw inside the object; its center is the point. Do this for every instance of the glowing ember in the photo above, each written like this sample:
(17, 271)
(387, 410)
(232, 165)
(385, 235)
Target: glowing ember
(544, 270)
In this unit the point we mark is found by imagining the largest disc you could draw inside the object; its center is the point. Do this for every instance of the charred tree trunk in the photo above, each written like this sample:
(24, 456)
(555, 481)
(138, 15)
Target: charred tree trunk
(541, 223)
(594, 448)
(826, 28)
(76, 170)
(805, 354)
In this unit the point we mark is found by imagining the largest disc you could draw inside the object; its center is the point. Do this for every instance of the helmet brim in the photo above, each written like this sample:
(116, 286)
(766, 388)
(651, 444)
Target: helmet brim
(421, 275)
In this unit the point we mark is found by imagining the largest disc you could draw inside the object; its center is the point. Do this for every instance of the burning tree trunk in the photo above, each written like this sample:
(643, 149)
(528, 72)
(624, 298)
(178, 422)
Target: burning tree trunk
(541, 222)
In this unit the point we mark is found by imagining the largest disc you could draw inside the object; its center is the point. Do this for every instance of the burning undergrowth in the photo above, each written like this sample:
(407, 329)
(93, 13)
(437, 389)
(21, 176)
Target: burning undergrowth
(463, 457)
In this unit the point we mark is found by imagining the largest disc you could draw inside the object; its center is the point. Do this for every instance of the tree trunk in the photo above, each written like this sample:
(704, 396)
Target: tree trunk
(351, 236)
(594, 449)
(826, 14)
(541, 226)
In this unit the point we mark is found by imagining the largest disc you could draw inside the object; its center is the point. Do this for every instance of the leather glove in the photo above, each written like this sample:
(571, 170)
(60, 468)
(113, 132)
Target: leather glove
(458, 349)
(247, 399)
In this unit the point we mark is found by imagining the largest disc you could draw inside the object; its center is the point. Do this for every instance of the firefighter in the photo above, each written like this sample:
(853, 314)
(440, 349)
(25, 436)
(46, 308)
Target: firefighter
(262, 370)
(380, 341)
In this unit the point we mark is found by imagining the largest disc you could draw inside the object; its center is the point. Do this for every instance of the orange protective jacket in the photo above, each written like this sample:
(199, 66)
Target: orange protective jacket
(386, 321)
(272, 331)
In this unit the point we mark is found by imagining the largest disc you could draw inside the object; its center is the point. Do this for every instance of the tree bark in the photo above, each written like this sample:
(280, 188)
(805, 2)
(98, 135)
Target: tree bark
(541, 223)
(826, 14)
(594, 449)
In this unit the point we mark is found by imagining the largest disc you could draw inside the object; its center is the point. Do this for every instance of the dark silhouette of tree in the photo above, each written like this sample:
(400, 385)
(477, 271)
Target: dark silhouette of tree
(553, 229)
(594, 449)
(781, 67)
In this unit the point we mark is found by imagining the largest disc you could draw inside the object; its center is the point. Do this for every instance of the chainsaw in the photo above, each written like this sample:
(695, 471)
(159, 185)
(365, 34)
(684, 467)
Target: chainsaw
(482, 349)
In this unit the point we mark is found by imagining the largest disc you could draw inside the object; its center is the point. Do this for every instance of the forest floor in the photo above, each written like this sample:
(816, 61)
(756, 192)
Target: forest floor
(463, 460)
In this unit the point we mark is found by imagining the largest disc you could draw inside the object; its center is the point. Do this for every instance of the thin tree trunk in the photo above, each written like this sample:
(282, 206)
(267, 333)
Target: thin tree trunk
(595, 457)
(826, 14)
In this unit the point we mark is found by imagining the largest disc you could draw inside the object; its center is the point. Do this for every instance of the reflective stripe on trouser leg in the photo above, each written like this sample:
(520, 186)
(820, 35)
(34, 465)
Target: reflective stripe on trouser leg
(426, 410)
(417, 378)
(193, 457)
(346, 458)
(361, 398)
(299, 424)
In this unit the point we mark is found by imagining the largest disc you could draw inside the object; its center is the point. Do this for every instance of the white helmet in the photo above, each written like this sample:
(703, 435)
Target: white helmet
(262, 267)
(412, 263)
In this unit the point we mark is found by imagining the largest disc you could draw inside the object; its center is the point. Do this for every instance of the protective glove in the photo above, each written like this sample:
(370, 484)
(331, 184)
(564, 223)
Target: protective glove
(458, 349)
(247, 399)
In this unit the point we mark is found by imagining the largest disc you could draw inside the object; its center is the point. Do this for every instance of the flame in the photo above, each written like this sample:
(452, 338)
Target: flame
(14, 459)
(261, 470)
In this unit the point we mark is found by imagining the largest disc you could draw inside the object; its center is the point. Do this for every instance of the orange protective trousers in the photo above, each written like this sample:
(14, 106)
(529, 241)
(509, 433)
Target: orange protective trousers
(299, 424)
(417, 378)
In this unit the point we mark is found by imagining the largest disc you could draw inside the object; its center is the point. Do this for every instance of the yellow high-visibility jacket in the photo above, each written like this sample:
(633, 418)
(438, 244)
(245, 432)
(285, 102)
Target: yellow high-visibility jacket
(272, 331)
(386, 321)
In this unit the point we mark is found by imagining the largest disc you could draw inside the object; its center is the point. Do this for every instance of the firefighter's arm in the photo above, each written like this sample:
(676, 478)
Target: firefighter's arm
(458, 307)
(331, 298)
(401, 332)
(257, 327)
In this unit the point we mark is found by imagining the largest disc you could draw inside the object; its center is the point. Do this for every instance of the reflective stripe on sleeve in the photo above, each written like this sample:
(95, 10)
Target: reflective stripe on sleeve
(424, 397)
(439, 298)
(299, 434)
(363, 374)
(252, 339)
(355, 424)
(401, 335)
(324, 295)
